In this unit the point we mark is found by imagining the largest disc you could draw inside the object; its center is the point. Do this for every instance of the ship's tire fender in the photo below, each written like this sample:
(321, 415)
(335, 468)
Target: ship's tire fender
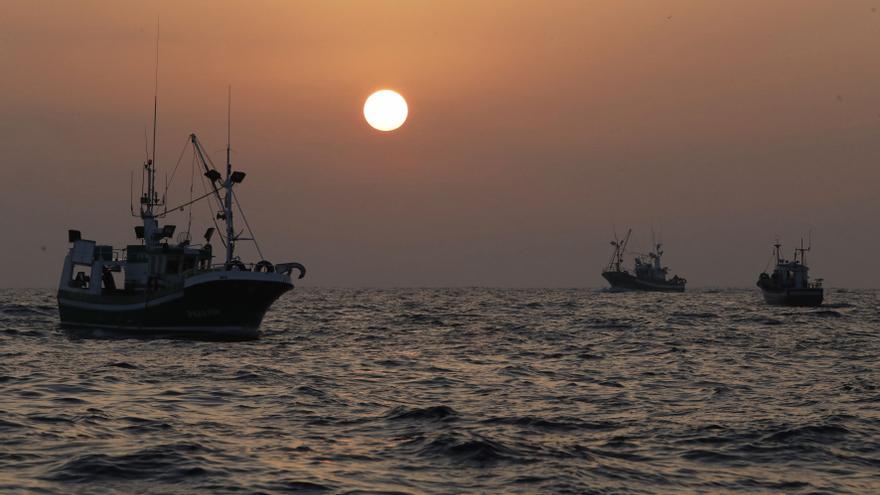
(264, 266)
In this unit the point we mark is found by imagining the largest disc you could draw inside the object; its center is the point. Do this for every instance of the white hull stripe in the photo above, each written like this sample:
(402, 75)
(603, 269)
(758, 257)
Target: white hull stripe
(213, 276)
(119, 307)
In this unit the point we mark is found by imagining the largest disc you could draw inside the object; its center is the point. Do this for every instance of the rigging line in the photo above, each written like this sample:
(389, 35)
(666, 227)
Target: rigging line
(164, 213)
(208, 157)
(769, 262)
(246, 224)
(205, 160)
(179, 159)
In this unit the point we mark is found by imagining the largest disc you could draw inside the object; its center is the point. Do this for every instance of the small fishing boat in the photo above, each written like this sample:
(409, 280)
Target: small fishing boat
(171, 285)
(649, 272)
(789, 284)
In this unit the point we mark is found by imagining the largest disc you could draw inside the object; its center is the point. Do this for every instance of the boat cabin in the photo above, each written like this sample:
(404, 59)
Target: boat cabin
(137, 268)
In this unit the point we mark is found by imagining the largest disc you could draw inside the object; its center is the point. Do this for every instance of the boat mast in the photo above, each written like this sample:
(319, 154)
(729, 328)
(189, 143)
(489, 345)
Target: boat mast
(803, 252)
(619, 250)
(150, 198)
(218, 183)
(658, 252)
(227, 205)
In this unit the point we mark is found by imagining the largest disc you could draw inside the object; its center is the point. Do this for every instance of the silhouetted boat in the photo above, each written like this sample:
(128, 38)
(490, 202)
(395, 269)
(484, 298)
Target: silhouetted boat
(789, 284)
(649, 274)
(172, 287)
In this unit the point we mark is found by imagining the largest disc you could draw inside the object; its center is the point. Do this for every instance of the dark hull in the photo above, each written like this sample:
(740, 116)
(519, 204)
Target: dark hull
(221, 308)
(793, 297)
(622, 281)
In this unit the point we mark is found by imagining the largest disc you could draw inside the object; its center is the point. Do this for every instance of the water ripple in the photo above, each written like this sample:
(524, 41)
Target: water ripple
(453, 391)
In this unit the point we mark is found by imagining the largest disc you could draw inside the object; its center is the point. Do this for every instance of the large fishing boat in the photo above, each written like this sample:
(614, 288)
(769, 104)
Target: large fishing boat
(166, 286)
(789, 284)
(649, 273)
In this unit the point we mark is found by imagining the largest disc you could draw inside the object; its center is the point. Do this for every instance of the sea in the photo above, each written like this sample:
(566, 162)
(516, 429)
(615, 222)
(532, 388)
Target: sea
(447, 391)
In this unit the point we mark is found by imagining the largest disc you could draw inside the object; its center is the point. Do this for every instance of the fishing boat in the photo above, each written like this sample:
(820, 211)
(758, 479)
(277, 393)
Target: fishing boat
(168, 284)
(789, 284)
(649, 274)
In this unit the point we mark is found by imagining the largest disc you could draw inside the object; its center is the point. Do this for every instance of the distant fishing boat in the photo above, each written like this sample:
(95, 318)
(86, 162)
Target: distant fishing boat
(173, 286)
(649, 273)
(789, 284)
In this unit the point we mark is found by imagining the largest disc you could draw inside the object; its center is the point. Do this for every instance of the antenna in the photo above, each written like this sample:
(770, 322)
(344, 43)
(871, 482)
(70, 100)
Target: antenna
(131, 193)
(228, 122)
(150, 199)
(156, 92)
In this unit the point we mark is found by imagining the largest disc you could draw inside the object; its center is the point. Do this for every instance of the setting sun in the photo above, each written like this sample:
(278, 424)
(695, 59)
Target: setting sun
(385, 110)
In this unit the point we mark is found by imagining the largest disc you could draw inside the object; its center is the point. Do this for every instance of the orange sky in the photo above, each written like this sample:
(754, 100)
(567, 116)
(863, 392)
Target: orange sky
(534, 128)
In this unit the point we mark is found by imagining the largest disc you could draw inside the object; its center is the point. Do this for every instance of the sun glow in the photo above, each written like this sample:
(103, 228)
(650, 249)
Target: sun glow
(385, 110)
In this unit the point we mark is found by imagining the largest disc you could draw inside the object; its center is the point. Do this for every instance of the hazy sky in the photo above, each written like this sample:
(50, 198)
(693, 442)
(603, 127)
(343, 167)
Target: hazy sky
(534, 129)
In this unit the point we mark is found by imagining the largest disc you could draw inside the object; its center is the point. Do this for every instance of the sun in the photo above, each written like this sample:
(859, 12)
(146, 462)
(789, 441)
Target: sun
(385, 110)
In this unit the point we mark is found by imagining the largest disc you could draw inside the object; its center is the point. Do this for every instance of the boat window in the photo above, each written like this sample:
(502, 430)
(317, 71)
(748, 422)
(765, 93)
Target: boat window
(113, 278)
(80, 276)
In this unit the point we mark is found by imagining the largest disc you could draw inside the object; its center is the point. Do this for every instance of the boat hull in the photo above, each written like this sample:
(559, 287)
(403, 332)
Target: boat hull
(622, 281)
(793, 297)
(216, 306)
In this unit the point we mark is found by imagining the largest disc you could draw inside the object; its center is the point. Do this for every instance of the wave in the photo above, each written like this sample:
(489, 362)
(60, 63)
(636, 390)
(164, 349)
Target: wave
(813, 433)
(171, 462)
(121, 364)
(295, 486)
(826, 313)
(533, 392)
(696, 314)
(469, 449)
(431, 413)
(9, 425)
(558, 424)
(24, 310)
(608, 323)
(710, 456)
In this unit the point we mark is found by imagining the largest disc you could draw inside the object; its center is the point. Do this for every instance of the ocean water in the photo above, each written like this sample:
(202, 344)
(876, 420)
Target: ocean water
(453, 391)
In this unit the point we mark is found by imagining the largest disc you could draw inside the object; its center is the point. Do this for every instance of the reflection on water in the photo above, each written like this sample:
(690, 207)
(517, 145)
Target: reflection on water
(445, 391)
